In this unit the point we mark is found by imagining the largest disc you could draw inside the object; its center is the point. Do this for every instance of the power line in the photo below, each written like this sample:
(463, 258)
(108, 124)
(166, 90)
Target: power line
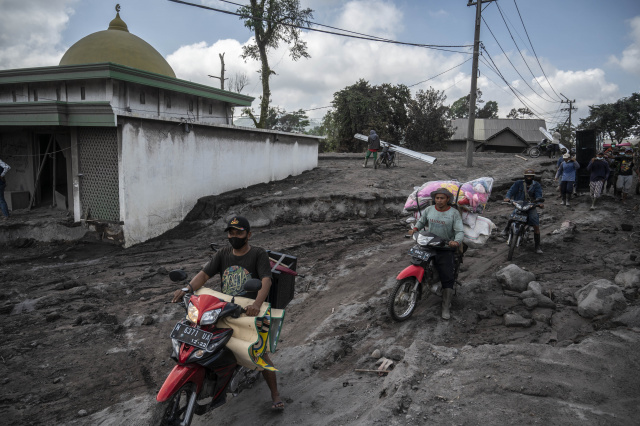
(519, 51)
(361, 37)
(534, 50)
(431, 78)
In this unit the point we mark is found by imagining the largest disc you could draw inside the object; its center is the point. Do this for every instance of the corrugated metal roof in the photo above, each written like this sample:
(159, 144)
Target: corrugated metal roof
(484, 128)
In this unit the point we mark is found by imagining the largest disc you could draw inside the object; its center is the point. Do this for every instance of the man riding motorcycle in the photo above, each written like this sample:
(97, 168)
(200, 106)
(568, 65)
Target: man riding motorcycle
(530, 190)
(446, 223)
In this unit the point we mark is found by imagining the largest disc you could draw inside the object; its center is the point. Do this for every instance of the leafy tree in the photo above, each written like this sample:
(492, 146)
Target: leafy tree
(566, 133)
(489, 110)
(618, 120)
(269, 20)
(362, 107)
(430, 126)
(520, 113)
(292, 121)
(460, 108)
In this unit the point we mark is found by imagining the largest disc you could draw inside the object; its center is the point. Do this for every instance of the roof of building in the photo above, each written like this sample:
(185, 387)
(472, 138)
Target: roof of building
(485, 128)
(507, 130)
(117, 45)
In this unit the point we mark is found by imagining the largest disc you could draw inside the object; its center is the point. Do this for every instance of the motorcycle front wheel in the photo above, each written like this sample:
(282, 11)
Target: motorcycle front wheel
(173, 412)
(534, 152)
(403, 299)
(512, 245)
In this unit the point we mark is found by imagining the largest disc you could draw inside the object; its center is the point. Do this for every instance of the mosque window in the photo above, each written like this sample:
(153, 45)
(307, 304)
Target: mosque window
(210, 109)
(142, 98)
(35, 95)
(191, 105)
(13, 95)
(57, 93)
(82, 94)
(168, 101)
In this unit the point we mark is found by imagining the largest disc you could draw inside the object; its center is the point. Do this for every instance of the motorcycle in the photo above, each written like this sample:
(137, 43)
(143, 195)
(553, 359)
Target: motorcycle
(517, 228)
(206, 367)
(387, 157)
(412, 281)
(541, 148)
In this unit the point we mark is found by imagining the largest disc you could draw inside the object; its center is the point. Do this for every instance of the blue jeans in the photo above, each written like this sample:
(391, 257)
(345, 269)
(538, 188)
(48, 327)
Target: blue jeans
(3, 203)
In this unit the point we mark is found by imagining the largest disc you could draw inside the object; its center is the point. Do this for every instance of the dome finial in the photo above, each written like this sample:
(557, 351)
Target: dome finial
(117, 23)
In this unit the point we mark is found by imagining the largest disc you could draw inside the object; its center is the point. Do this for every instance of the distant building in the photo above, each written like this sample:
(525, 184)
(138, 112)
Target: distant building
(115, 137)
(497, 134)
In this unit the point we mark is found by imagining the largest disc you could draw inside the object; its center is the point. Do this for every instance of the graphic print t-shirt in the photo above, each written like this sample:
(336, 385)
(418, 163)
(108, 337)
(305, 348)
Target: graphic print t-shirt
(626, 166)
(235, 270)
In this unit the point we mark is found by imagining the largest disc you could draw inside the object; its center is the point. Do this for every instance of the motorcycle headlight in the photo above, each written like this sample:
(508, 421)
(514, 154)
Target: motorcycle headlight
(518, 206)
(192, 313)
(210, 317)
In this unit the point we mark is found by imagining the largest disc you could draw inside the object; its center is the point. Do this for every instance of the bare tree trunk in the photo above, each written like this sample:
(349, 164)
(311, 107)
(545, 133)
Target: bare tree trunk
(266, 93)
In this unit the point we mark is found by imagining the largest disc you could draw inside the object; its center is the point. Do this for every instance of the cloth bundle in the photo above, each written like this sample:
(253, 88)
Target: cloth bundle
(422, 195)
(472, 196)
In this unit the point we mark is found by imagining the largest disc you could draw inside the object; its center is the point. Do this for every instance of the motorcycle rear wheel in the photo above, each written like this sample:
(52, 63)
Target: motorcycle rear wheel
(512, 246)
(534, 152)
(403, 299)
(172, 411)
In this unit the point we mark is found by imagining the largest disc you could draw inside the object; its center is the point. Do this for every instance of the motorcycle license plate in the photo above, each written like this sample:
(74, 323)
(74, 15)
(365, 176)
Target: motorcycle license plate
(420, 254)
(520, 217)
(191, 335)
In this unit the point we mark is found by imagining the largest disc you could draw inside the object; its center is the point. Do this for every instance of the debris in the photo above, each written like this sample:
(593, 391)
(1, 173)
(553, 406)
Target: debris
(521, 157)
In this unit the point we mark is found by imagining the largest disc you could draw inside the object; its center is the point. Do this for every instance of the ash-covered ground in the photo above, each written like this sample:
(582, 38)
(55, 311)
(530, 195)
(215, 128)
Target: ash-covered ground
(85, 325)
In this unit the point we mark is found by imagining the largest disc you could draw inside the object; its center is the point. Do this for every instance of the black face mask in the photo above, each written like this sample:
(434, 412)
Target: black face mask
(529, 181)
(237, 243)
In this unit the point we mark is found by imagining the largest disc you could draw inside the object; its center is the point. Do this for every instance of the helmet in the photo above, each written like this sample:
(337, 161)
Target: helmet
(444, 191)
(529, 172)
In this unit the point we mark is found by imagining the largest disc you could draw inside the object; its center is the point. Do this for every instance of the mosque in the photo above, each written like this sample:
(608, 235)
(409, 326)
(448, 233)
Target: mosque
(112, 136)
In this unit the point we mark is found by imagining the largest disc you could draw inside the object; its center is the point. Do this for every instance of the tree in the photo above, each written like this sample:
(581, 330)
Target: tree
(566, 133)
(238, 82)
(520, 113)
(489, 110)
(270, 22)
(430, 126)
(618, 120)
(362, 107)
(292, 121)
(460, 108)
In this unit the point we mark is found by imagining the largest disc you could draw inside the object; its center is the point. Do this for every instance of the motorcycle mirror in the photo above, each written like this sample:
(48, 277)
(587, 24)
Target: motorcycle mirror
(252, 286)
(177, 275)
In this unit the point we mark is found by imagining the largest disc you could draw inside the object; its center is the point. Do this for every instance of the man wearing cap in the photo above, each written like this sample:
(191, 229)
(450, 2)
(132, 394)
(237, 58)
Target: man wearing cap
(625, 173)
(600, 172)
(567, 171)
(237, 264)
(446, 223)
(530, 190)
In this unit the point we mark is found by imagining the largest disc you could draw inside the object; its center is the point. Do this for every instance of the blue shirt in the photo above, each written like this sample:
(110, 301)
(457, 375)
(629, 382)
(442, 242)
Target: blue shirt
(568, 171)
(599, 170)
(516, 192)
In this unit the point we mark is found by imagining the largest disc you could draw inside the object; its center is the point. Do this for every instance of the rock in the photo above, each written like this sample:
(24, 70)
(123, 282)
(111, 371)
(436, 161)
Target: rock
(629, 318)
(535, 287)
(162, 271)
(542, 315)
(545, 302)
(486, 314)
(515, 320)
(53, 316)
(626, 227)
(57, 380)
(395, 353)
(628, 278)
(527, 294)
(376, 354)
(513, 278)
(599, 297)
(148, 320)
(82, 413)
(530, 302)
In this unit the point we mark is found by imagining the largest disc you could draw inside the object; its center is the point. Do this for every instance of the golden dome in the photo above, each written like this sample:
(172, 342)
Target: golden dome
(119, 46)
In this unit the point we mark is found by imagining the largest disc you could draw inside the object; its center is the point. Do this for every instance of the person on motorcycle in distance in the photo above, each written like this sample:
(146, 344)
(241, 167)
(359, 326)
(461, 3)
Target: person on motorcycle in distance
(530, 190)
(237, 264)
(446, 223)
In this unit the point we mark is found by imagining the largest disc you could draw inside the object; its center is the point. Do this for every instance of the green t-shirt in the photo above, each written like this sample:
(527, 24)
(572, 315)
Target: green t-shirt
(446, 224)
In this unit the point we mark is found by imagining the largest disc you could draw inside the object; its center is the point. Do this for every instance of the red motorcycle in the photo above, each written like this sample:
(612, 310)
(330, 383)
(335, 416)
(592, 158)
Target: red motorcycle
(206, 367)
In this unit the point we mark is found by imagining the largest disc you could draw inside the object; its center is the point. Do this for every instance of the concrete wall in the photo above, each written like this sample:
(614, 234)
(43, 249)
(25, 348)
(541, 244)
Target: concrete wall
(16, 150)
(164, 169)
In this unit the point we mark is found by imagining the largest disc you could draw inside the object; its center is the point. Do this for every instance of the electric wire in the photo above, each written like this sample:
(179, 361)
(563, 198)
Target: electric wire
(534, 50)
(443, 72)
(301, 27)
(520, 52)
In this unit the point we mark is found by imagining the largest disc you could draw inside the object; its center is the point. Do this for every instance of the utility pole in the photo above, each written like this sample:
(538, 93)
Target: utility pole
(571, 108)
(222, 79)
(474, 81)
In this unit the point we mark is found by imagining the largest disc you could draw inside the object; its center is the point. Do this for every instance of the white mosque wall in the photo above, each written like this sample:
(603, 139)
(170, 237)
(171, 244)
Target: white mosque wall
(164, 169)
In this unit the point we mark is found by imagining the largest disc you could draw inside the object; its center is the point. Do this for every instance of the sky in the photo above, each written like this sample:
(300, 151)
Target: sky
(587, 50)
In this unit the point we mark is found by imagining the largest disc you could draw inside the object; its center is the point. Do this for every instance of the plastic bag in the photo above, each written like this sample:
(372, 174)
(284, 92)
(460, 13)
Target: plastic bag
(480, 233)
(423, 194)
(473, 195)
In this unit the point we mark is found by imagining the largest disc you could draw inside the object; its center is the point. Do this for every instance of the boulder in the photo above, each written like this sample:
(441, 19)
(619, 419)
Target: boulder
(515, 320)
(599, 297)
(628, 278)
(513, 278)
(629, 318)
(535, 287)
(530, 302)
(545, 302)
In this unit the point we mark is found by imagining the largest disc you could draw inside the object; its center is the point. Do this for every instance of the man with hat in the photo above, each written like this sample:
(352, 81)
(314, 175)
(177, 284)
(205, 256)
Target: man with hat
(445, 222)
(235, 265)
(530, 190)
(600, 172)
(567, 171)
(625, 173)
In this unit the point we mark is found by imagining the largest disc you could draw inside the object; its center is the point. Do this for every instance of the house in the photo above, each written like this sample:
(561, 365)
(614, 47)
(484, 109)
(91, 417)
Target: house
(497, 134)
(111, 135)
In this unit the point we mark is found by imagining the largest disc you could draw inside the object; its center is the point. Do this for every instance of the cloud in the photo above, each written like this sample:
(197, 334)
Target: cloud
(32, 32)
(630, 60)
(371, 17)
(438, 13)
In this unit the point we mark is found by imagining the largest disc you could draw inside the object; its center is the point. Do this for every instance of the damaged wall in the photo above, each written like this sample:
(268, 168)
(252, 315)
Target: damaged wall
(164, 169)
